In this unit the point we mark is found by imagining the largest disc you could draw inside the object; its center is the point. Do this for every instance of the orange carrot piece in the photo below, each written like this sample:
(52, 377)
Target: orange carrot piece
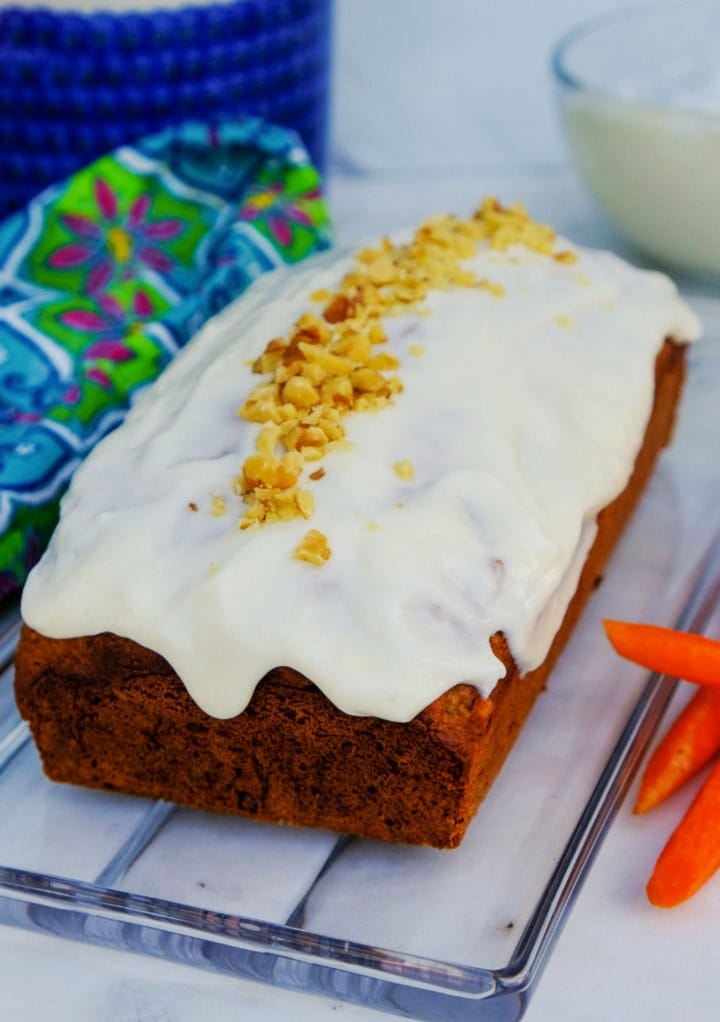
(692, 853)
(687, 746)
(679, 654)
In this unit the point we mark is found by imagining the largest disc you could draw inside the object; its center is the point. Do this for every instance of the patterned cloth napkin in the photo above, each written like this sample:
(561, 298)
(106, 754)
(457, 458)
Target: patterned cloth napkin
(105, 276)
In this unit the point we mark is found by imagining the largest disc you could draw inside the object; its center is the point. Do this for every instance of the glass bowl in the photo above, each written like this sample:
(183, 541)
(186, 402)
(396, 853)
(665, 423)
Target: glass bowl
(639, 94)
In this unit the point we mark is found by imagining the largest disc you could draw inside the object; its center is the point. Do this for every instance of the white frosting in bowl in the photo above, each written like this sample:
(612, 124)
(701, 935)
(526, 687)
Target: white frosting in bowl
(521, 415)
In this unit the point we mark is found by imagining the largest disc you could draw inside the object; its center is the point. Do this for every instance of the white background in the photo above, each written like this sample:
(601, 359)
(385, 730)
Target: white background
(441, 86)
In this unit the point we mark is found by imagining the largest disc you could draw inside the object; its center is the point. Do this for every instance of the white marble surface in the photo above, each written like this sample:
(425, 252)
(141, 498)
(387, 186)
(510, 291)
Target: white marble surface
(436, 104)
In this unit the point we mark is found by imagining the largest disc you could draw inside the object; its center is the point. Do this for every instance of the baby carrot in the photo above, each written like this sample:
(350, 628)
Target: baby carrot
(679, 654)
(688, 745)
(692, 853)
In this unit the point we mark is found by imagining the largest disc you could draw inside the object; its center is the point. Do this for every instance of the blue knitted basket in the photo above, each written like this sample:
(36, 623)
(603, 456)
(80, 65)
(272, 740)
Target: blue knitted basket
(73, 86)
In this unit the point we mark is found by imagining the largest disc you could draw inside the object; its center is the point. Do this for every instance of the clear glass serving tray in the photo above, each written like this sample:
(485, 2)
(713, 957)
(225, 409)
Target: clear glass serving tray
(430, 935)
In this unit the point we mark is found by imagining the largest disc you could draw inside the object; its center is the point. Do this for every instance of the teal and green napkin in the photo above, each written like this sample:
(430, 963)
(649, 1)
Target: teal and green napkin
(105, 276)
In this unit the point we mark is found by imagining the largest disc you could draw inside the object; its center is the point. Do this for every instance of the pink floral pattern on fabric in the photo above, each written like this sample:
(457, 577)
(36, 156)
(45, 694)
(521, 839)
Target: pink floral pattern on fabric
(114, 324)
(113, 244)
(271, 205)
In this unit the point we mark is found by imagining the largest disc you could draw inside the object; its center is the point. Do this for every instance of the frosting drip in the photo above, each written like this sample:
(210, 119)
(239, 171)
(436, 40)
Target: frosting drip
(521, 415)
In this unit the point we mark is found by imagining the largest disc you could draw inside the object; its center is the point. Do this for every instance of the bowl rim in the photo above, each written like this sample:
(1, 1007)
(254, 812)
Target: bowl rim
(589, 26)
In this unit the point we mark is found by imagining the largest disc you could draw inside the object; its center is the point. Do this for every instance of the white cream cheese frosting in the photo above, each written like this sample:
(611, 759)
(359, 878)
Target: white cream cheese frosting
(521, 416)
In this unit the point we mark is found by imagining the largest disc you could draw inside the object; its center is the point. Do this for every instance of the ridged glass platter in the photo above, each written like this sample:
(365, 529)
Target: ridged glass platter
(424, 934)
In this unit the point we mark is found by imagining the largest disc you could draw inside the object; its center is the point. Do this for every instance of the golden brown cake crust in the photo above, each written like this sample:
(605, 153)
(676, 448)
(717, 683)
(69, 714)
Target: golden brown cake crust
(108, 713)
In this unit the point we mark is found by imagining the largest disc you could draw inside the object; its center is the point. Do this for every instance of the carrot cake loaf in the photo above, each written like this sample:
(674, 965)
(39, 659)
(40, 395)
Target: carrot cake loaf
(324, 568)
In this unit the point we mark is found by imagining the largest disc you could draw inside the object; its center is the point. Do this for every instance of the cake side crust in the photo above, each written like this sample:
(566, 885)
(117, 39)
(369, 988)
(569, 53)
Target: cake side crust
(107, 713)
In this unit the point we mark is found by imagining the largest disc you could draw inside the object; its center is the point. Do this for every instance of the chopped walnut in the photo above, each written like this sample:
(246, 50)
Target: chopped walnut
(404, 470)
(313, 548)
(565, 257)
(493, 287)
(328, 366)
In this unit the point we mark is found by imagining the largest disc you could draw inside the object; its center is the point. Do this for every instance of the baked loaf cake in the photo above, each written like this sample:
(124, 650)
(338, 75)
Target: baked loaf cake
(307, 614)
